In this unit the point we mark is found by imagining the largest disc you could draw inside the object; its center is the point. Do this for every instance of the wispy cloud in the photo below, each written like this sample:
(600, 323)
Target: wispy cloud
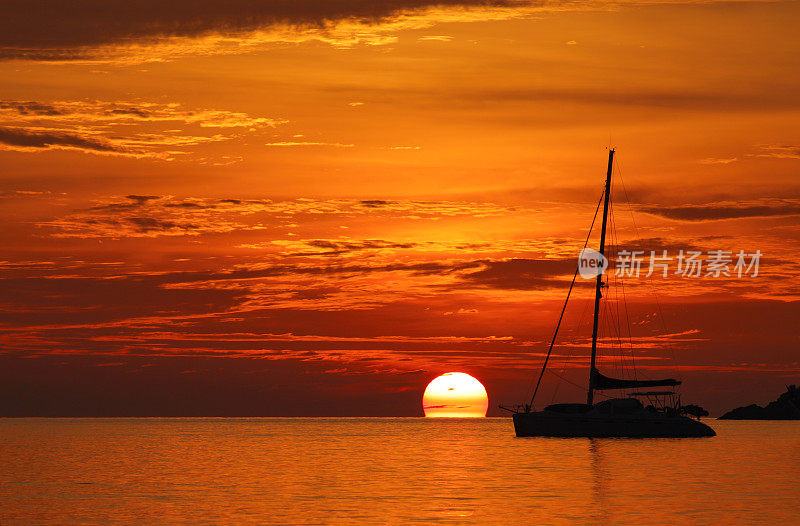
(132, 129)
(781, 151)
(717, 160)
(437, 38)
(150, 216)
(293, 143)
(21, 139)
(126, 113)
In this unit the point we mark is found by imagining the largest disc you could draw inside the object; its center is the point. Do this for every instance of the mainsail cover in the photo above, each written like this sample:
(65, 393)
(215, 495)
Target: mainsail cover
(601, 381)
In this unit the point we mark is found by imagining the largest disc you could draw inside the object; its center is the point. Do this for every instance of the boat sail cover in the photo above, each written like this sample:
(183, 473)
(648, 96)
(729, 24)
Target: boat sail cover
(601, 381)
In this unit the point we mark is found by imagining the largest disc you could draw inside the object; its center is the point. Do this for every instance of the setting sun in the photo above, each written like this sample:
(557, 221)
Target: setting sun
(455, 395)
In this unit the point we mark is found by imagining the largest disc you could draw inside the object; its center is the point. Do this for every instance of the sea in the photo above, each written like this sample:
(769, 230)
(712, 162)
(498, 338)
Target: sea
(299, 471)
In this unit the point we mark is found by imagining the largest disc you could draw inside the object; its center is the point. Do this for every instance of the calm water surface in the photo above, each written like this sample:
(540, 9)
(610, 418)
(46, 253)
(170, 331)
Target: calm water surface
(387, 471)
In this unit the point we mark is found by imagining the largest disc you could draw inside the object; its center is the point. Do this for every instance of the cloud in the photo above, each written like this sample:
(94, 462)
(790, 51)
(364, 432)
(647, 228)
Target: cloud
(141, 198)
(150, 30)
(437, 38)
(290, 143)
(378, 303)
(726, 210)
(715, 160)
(375, 203)
(119, 127)
(785, 151)
(145, 216)
(127, 113)
(20, 139)
(90, 226)
(150, 216)
(461, 311)
(521, 274)
(270, 271)
(341, 247)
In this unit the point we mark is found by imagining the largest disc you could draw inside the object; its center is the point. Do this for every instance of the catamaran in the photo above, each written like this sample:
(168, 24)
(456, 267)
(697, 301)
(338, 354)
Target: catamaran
(613, 417)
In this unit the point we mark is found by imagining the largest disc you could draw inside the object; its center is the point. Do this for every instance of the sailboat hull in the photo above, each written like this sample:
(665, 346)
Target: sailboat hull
(594, 425)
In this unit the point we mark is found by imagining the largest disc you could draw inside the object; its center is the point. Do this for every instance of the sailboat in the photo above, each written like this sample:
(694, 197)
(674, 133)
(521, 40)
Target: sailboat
(613, 417)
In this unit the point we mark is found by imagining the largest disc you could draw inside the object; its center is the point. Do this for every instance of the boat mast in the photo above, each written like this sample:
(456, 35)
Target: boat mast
(597, 293)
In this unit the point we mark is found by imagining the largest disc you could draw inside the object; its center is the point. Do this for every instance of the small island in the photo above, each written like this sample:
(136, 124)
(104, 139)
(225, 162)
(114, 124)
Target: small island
(786, 407)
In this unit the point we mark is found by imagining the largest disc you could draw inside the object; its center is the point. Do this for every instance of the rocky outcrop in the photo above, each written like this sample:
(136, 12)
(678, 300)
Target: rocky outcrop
(786, 407)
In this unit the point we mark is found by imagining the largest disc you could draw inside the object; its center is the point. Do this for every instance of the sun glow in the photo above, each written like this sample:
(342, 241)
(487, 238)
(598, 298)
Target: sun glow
(455, 395)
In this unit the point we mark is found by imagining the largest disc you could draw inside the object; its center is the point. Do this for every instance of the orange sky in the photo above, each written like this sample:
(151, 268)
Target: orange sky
(317, 207)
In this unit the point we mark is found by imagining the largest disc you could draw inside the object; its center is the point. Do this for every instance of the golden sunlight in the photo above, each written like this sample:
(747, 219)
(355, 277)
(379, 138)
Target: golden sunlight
(455, 395)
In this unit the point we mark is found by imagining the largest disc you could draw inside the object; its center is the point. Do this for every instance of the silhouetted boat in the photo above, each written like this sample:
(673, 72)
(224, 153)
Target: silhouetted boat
(615, 417)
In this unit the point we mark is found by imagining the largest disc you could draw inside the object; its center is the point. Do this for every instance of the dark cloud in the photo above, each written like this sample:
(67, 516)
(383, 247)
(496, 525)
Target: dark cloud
(28, 139)
(31, 108)
(41, 109)
(130, 111)
(40, 29)
(419, 269)
(521, 274)
(375, 203)
(716, 100)
(147, 224)
(131, 225)
(186, 204)
(141, 198)
(656, 244)
(335, 248)
(715, 212)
